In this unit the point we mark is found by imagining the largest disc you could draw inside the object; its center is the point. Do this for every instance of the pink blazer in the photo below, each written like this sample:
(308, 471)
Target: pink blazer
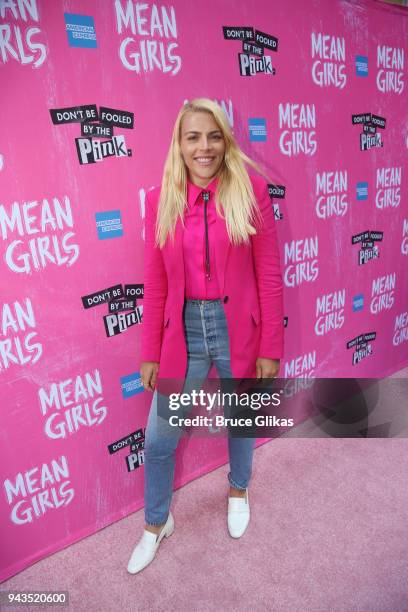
(251, 289)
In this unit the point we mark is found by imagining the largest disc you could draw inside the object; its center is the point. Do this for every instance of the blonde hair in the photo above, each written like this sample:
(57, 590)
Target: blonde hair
(234, 193)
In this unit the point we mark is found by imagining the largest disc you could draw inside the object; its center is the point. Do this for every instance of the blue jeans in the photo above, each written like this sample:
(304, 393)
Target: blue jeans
(207, 343)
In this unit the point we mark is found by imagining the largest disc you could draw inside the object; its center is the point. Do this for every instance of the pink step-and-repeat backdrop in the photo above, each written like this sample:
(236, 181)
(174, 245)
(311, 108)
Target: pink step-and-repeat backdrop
(316, 92)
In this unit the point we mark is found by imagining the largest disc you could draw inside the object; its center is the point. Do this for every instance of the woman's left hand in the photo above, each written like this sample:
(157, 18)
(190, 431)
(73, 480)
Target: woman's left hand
(267, 368)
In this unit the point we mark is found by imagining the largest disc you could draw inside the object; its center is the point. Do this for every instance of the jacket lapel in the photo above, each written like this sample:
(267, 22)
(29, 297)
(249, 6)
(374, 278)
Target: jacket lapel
(176, 254)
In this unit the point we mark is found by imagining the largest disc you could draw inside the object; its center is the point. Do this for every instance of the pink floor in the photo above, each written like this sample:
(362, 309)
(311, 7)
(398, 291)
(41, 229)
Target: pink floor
(328, 532)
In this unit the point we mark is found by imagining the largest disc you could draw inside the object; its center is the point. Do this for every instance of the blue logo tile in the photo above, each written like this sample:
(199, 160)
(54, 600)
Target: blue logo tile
(257, 130)
(362, 190)
(131, 384)
(358, 302)
(109, 224)
(361, 65)
(80, 30)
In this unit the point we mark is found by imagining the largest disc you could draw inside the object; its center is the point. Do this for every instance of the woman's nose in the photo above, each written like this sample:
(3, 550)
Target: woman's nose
(204, 143)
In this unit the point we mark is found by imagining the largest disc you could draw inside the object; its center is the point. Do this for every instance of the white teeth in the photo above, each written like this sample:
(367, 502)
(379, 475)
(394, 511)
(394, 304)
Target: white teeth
(204, 159)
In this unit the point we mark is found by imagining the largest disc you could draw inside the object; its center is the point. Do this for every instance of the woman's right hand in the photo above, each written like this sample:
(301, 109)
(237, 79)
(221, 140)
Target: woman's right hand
(148, 374)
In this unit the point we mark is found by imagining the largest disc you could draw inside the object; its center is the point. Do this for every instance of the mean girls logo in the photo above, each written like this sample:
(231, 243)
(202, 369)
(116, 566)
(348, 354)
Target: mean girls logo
(302, 366)
(38, 233)
(390, 69)
(400, 329)
(297, 124)
(404, 243)
(382, 293)
(35, 491)
(329, 60)
(301, 261)
(150, 37)
(72, 404)
(299, 374)
(18, 336)
(331, 194)
(330, 312)
(20, 38)
(388, 185)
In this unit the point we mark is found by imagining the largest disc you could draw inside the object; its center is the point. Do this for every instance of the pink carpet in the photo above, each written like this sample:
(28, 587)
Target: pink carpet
(328, 532)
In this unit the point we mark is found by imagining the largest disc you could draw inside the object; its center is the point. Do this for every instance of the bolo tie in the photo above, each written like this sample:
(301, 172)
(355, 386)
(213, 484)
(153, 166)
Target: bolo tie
(206, 197)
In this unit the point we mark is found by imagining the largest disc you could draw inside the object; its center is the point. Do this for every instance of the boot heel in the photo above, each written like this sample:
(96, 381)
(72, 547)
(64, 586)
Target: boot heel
(169, 532)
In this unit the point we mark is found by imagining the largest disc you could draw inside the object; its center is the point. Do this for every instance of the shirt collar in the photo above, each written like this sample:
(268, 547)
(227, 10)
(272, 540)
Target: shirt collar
(194, 191)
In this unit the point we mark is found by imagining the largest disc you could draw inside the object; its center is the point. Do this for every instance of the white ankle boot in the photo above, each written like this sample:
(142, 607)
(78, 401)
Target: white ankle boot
(146, 549)
(238, 515)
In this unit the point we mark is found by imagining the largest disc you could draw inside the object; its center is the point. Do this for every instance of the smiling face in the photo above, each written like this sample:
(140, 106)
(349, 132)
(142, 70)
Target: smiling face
(202, 146)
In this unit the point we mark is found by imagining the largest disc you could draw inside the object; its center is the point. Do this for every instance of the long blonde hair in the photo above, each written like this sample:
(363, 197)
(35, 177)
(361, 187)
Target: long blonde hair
(234, 193)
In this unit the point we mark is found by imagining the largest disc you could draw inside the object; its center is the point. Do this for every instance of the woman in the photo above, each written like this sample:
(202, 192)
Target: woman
(212, 295)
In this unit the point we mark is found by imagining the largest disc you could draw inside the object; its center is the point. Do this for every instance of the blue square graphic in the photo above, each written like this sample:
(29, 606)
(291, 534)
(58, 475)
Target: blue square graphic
(362, 190)
(109, 224)
(80, 30)
(361, 65)
(131, 384)
(358, 302)
(257, 130)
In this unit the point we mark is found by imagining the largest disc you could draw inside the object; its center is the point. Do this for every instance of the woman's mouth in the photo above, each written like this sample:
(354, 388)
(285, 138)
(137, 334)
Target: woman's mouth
(204, 161)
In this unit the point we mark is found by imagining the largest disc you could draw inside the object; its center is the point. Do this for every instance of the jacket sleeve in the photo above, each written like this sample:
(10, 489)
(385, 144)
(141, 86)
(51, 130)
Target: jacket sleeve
(265, 249)
(155, 289)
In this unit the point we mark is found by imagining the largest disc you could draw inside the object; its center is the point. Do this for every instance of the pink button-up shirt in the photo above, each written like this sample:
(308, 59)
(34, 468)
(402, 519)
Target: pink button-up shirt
(198, 286)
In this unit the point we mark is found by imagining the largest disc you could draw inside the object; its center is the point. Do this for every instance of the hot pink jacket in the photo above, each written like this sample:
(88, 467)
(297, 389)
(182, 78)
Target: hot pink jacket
(251, 289)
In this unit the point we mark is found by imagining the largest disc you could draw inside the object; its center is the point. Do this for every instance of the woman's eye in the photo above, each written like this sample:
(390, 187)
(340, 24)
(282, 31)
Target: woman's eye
(214, 137)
